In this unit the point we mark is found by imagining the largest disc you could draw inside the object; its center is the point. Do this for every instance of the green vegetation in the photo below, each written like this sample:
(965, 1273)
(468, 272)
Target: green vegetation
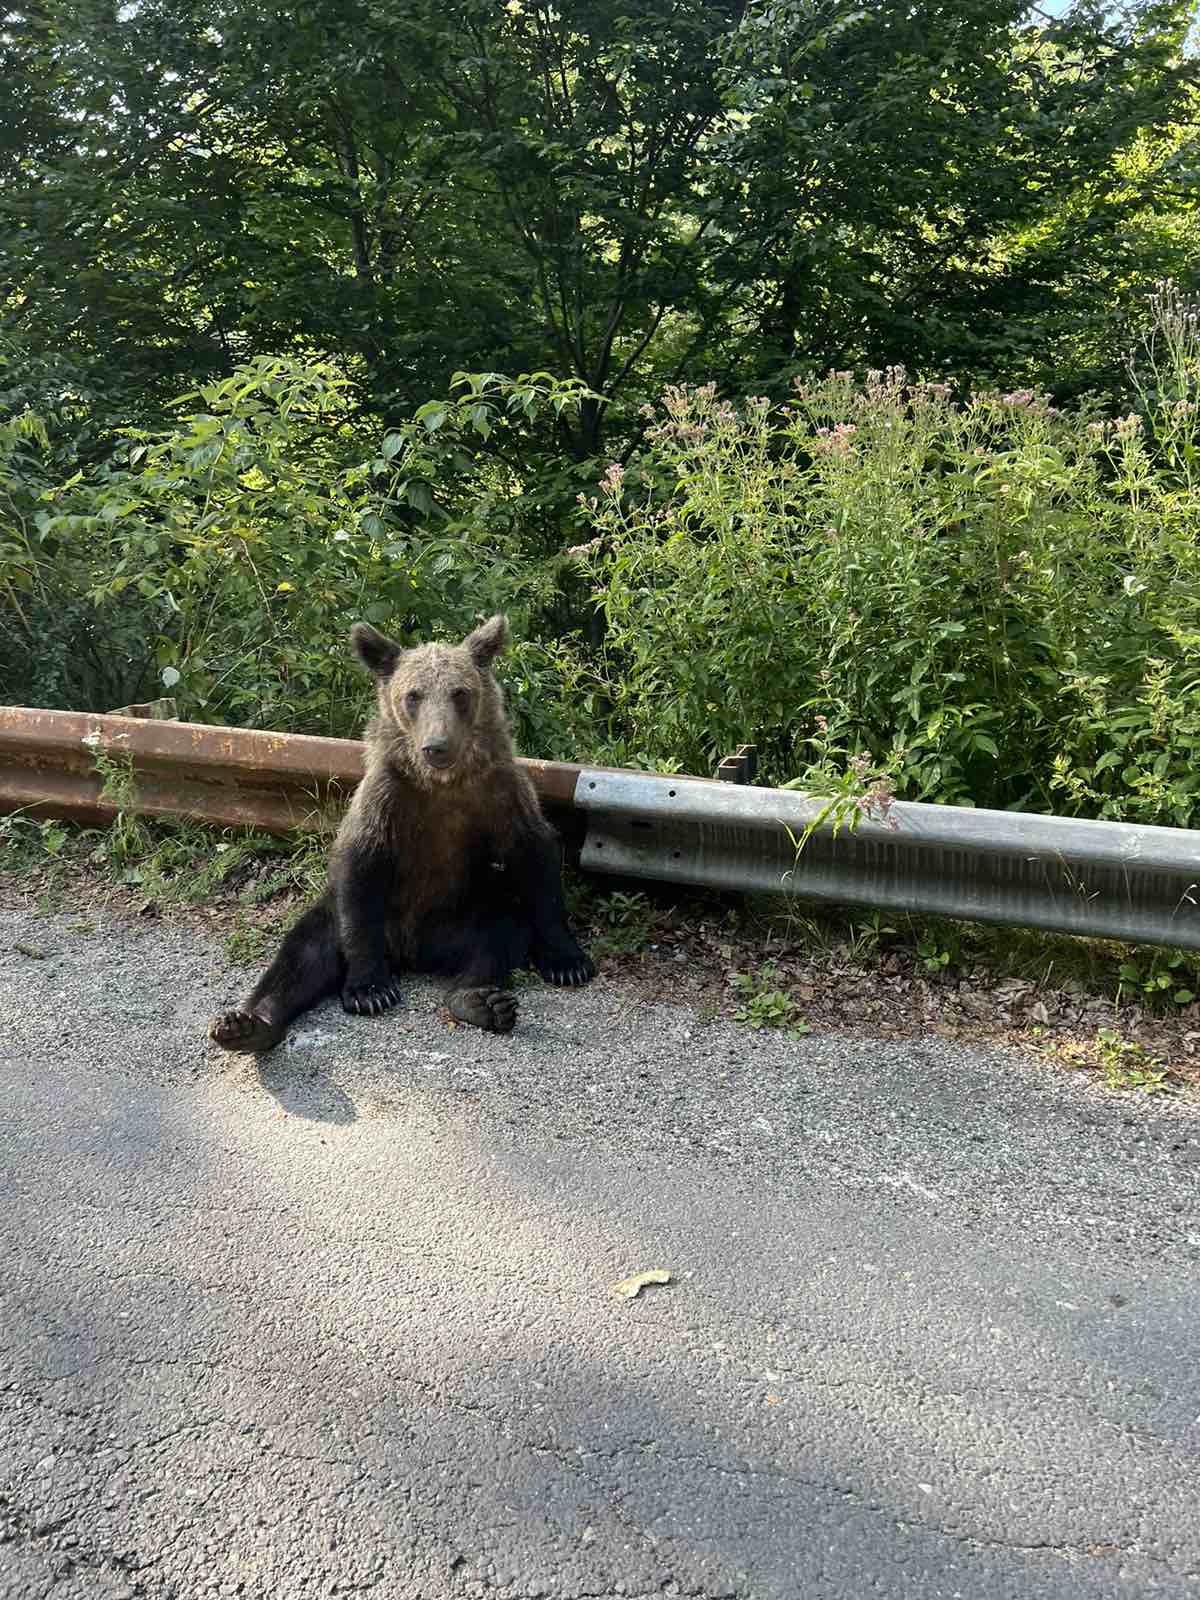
(624, 920)
(769, 363)
(763, 1004)
(996, 601)
(1129, 1065)
(989, 601)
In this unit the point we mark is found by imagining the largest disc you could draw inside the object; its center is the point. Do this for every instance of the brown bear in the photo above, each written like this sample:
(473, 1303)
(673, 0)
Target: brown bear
(443, 862)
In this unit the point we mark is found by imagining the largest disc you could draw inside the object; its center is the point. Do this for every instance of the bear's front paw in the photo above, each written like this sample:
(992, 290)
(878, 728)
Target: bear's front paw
(494, 1010)
(567, 966)
(367, 999)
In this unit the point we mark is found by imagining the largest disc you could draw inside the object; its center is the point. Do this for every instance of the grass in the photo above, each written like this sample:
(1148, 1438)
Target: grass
(1129, 1065)
(248, 943)
(165, 863)
(1126, 1064)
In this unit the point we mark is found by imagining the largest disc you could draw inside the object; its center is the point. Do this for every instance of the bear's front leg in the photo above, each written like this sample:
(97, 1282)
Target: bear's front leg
(557, 954)
(362, 883)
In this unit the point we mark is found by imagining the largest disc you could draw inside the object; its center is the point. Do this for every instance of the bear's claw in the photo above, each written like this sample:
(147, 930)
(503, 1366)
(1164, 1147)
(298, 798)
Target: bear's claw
(371, 999)
(568, 973)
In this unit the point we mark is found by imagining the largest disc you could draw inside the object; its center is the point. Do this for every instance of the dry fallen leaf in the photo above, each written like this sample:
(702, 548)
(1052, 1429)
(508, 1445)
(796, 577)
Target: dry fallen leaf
(628, 1288)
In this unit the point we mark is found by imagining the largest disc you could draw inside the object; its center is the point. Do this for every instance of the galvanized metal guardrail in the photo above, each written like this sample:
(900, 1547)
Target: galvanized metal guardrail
(1109, 880)
(1104, 879)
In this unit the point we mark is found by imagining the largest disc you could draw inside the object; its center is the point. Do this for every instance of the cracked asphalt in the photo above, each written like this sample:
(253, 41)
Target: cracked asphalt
(343, 1324)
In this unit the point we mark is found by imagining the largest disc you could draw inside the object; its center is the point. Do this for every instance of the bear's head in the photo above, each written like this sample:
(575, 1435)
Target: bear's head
(440, 709)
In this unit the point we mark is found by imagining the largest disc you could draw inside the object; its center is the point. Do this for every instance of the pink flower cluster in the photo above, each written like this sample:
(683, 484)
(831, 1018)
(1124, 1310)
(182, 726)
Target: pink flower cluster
(885, 383)
(877, 803)
(691, 413)
(830, 441)
(1028, 400)
(878, 800)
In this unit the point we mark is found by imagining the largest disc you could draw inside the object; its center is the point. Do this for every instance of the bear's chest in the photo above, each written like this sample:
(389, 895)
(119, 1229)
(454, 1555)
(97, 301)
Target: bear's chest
(445, 859)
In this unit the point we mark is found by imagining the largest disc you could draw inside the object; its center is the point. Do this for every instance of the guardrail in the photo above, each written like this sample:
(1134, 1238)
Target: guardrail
(237, 777)
(1107, 880)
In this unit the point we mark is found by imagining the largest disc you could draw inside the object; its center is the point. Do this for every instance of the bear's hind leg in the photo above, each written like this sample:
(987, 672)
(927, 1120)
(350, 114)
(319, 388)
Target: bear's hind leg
(477, 994)
(308, 968)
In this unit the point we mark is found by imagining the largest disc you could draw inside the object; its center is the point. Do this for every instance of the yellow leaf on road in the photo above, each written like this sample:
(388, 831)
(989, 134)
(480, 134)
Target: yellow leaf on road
(628, 1288)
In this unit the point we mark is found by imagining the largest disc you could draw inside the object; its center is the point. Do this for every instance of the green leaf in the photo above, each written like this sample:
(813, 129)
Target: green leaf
(432, 415)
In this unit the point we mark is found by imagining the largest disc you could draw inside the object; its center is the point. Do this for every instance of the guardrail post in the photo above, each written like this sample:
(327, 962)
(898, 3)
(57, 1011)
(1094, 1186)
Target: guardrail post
(740, 767)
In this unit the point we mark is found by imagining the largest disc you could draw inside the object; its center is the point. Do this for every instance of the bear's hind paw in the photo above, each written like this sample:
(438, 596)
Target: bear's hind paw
(245, 1033)
(494, 1010)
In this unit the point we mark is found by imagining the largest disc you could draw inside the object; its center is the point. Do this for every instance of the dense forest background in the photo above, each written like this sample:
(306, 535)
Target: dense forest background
(811, 372)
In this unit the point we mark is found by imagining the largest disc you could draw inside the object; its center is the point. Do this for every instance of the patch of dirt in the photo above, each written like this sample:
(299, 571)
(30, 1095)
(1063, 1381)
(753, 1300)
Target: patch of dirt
(893, 997)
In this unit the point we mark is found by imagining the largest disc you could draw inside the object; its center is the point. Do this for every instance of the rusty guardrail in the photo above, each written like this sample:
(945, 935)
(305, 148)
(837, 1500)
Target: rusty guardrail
(1109, 880)
(236, 777)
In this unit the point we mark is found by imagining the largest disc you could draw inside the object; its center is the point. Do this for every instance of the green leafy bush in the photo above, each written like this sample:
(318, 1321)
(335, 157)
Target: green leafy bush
(997, 603)
(236, 547)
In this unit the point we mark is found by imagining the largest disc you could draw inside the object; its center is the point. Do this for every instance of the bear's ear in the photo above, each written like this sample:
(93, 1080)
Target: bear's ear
(486, 643)
(375, 650)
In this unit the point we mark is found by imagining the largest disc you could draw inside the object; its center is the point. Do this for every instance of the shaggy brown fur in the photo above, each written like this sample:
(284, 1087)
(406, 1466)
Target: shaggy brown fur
(443, 862)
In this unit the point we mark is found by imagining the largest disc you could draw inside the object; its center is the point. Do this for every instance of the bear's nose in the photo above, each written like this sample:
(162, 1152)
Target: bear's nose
(435, 751)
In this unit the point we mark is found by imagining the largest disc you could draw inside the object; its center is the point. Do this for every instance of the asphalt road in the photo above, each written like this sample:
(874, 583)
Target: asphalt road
(345, 1326)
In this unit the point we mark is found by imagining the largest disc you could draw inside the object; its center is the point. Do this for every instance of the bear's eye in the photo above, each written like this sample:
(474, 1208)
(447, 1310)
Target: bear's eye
(461, 698)
(412, 700)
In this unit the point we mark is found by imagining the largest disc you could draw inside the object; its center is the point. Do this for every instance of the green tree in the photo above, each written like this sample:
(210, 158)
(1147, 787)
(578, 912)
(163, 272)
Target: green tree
(935, 185)
(627, 196)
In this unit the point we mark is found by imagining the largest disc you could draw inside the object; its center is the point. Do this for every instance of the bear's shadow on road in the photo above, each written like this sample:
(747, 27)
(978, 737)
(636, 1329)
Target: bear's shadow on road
(300, 1081)
(299, 1074)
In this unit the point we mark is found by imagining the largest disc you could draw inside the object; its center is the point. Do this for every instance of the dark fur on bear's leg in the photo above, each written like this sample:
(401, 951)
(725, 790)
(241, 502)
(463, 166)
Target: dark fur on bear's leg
(557, 954)
(307, 969)
(360, 889)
